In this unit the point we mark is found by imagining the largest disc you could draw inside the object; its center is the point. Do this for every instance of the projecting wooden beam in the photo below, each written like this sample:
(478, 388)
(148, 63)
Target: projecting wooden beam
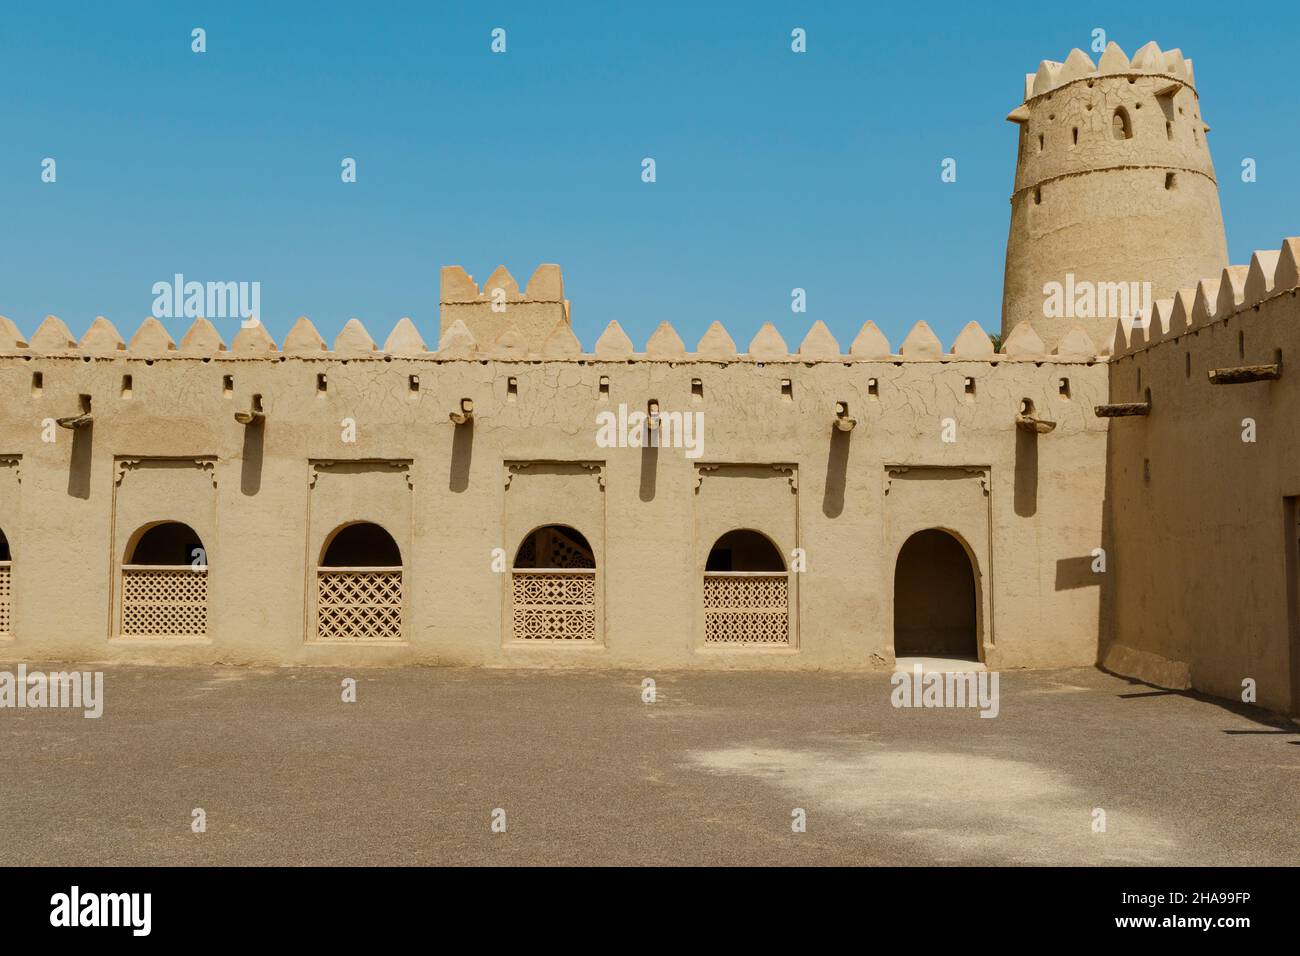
(1245, 373)
(1037, 425)
(1123, 410)
(249, 418)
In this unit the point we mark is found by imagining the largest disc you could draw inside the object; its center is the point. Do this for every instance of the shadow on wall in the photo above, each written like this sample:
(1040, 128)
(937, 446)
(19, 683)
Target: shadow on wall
(649, 471)
(1074, 573)
(837, 470)
(250, 473)
(462, 453)
(1107, 601)
(83, 440)
(1026, 492)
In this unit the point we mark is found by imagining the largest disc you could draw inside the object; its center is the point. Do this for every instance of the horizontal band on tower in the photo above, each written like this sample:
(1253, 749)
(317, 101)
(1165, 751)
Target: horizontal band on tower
(1093, 78)
(1110, 169)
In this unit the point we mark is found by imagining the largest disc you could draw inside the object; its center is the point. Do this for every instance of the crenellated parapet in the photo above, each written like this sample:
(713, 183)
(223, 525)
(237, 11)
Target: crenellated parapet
(151, 342)
(508, 337)
(1235, 291)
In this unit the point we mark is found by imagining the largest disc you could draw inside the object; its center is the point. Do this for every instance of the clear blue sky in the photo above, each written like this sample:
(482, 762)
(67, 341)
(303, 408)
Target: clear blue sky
(775, 170)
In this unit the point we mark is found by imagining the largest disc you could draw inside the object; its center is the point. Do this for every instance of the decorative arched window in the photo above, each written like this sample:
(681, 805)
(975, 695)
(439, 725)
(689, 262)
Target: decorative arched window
(359, 585)
(6, 587)
(165, 583)
(553, 587)
(746, 591)
(1120, 124)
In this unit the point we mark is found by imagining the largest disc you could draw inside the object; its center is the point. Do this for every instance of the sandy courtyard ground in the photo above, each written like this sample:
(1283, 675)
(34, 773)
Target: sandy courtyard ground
(586, 772)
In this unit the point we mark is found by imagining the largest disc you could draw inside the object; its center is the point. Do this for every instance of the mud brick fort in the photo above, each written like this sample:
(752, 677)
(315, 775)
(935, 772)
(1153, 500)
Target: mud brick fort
(1121, 489)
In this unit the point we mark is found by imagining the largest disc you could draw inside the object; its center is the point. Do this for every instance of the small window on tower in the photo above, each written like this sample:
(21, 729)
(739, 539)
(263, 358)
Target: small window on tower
(1121, 126)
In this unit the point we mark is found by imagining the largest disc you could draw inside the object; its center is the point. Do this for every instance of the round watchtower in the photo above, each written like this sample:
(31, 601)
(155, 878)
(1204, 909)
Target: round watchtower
(1115, 202)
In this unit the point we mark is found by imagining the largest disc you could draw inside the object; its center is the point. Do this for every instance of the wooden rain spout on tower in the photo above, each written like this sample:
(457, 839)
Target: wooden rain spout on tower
(1030, 422)
(81, 420)
(466, 413)
(1038, 426)
(842, 421)
(254, 416)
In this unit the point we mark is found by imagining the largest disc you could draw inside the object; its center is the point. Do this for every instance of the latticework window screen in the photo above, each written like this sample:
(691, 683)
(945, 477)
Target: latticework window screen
(554, 605)
(359, 604)
(746, 608)
(164, 601)
(6, 597)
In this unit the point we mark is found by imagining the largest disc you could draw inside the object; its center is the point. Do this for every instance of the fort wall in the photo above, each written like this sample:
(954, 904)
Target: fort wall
(471, 447)
(1202, 523)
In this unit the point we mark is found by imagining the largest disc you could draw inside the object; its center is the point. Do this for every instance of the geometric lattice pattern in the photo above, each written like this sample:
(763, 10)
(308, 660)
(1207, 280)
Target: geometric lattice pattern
(164, 601)
(554, 605)
(747, 608)
(6, 594)
(552, 547)
(564, 552)
(355, 605)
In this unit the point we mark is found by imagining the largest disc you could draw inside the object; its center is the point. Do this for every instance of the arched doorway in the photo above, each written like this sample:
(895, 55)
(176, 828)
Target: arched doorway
(6, 586)
(553, 587)
(164, 582)
(935, 599)
(359, 585)
(746, 591)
